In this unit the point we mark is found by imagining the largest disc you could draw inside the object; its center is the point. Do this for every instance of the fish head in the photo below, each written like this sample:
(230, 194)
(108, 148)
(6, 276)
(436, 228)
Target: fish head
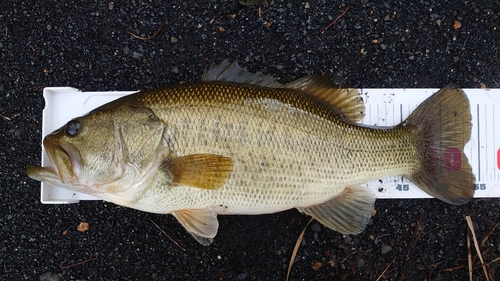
(107, 151)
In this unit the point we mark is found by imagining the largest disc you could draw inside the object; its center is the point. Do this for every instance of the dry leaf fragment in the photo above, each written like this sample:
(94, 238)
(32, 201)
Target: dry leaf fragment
(317, 265)
(83, 226)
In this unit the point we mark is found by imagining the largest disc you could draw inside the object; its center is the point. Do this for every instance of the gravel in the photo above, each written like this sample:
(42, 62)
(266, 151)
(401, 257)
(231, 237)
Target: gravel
(89, 45)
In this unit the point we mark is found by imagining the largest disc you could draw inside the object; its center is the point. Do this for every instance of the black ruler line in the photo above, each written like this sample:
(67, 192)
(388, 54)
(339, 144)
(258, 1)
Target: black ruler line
(478, 146)
(401, 113)
(496, 147)
(401, 118)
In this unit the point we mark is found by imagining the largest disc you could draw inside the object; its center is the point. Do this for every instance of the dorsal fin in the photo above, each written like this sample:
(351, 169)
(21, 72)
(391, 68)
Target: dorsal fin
(232, 72)
(347, 100)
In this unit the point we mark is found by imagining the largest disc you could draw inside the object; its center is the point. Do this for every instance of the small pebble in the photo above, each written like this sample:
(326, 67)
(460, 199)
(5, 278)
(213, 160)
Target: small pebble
(137, 55)
(315, 227)
(361, 263)
(386, 249)
(49, 276)
(347, 240)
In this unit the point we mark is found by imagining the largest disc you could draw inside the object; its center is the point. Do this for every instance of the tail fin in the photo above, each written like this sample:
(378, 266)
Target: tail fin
(443, 123)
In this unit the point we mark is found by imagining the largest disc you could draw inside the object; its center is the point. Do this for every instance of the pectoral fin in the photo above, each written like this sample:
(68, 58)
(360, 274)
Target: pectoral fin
(202, 224)
(347, 213)
(206, 171)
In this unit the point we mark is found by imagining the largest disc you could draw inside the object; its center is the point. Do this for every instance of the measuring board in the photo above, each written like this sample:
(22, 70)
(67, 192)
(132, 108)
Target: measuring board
(384, 107)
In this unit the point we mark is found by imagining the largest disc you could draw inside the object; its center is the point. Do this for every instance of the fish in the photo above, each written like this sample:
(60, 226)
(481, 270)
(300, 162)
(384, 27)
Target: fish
(241, 143)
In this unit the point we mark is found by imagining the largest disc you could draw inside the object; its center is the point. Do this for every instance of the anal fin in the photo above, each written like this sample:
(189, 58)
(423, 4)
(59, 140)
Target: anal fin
(347, 213)
(202, 224)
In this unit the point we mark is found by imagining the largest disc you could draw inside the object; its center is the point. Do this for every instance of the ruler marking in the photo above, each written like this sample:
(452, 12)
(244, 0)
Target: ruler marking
(378, 116)
(486, 143)
(401, 121)
(400, 113)
(370, 116)
(494, 146)
(478, 146)
(497, 147)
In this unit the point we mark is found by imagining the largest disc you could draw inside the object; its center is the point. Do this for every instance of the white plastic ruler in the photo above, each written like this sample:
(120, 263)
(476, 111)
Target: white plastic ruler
(384, 107)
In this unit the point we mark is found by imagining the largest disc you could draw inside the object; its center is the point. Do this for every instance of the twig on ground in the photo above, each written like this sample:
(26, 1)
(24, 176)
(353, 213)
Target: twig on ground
(78, 263)
(495, 260)
(148, 38)
(488, 235)
(5, 117)
(478, 250)
(469, 256)
(386, 268)
(296, 249)
(355, 252)
(173, 241)
(453, 268)
(334, 21)
(426, 265)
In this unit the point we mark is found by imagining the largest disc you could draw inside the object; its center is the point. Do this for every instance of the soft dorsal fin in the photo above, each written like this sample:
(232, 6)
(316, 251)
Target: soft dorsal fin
(347, 100)
(232, 72)
(206, 171)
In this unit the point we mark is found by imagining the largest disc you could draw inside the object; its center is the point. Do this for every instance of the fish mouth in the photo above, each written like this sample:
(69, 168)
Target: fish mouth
(65, 163)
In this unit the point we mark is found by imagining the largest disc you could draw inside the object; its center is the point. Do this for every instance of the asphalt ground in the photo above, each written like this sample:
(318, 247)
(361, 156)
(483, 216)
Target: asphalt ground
(374, 44)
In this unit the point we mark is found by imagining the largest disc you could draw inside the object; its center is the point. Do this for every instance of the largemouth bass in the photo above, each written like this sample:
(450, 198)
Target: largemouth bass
(242, 143)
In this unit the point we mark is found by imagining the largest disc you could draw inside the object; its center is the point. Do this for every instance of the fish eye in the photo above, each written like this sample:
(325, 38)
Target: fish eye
(72, 128)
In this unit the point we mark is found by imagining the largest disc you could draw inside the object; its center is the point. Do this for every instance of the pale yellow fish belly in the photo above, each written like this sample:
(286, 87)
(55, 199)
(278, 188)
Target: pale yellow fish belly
(283, 158)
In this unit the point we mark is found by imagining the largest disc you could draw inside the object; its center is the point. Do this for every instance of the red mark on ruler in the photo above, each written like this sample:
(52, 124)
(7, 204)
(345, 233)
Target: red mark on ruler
(498, 158)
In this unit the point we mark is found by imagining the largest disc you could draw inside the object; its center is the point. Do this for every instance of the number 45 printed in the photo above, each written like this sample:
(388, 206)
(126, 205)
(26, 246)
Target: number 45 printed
(403, 187)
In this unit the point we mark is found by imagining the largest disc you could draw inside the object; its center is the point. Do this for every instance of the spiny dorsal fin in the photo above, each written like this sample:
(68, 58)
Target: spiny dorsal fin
(206, 171)
(348, 213)
(232, 72)
(347, 100)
